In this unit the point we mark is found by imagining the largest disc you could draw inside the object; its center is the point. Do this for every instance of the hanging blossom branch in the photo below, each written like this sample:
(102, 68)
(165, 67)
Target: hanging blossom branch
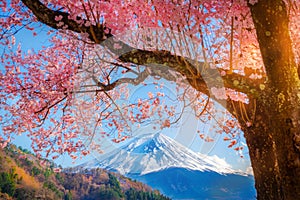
(197, 74)
(97, 33)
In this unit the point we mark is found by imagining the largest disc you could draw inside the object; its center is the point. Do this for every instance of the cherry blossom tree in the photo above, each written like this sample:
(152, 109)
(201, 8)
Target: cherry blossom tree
(245, 57)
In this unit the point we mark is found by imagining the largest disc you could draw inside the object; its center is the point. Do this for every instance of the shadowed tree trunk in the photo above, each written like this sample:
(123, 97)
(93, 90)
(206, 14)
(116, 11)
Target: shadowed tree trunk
(273, 140)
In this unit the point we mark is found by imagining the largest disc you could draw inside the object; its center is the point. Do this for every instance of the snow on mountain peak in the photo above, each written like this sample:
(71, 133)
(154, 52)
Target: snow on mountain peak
(149, 153)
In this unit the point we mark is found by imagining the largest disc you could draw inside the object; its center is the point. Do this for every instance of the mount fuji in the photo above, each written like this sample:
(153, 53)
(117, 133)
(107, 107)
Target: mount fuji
(149, 153)
(175, 170)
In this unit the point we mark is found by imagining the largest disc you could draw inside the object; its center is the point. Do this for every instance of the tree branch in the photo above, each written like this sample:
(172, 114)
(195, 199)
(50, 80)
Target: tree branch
(198, 74)
(134, 81)
(47, 16)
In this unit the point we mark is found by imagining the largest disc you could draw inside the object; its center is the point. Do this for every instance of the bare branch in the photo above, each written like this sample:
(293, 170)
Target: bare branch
(134, 81)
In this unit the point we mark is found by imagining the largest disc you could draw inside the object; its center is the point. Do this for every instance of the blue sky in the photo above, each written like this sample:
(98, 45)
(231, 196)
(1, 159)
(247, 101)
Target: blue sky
(185, 133)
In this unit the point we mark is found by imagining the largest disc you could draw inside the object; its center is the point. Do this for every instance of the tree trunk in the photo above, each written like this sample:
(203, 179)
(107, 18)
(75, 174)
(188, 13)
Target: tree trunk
(263, 157)
(274, 138)
(274, 152)
(286, 135)
(284, 128)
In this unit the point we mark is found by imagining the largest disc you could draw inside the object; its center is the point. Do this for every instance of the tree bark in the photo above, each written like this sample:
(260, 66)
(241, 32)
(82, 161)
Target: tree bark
(263, 160)
(273, 140)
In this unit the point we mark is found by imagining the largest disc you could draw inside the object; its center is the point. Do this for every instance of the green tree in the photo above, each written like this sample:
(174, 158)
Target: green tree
(68, 196)
(47, 173)
(24, 194)
(8, 183)
(35, 171)
(109, 194)
(114, 185)
(141, 195)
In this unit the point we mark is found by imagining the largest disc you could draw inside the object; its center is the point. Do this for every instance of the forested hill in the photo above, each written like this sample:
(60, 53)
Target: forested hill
(24, 176)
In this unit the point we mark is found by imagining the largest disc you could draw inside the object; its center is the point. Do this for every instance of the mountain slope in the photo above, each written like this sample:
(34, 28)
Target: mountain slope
(23, 176)
(149, 153)
(176, 171)
(180, 183)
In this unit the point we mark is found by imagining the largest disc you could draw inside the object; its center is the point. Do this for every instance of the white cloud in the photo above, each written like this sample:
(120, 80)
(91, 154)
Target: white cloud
(221, 161)
(249, 170)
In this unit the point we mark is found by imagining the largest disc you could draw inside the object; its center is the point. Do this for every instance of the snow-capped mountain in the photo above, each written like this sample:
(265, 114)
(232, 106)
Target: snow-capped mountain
(149, 153)
(176, 171)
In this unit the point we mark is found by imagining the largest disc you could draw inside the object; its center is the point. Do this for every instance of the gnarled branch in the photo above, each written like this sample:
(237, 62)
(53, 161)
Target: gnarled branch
(198, 74)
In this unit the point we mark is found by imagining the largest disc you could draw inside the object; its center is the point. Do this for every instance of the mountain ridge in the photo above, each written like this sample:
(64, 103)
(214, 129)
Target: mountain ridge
(176, 171)
(24, 176)
(180, 183)
(154, 152)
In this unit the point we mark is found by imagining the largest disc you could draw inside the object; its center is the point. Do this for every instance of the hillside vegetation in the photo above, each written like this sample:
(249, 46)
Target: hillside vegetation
(23, 176)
